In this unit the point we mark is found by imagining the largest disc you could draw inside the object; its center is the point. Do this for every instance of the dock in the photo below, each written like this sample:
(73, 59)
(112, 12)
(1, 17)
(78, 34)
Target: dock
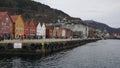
(41, 47)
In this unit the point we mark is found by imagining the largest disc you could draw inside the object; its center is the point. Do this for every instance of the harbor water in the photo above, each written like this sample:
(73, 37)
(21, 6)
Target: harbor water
(100, 54)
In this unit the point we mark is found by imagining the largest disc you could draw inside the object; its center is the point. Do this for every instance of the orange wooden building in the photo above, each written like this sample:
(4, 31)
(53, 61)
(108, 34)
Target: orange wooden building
(18, 26)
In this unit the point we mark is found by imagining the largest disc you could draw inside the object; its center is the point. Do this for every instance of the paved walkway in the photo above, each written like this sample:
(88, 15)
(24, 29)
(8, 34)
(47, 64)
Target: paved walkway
(37, 40)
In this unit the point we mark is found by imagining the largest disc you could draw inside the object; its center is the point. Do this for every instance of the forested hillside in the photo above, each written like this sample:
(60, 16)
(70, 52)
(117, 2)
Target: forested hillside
(31, 9)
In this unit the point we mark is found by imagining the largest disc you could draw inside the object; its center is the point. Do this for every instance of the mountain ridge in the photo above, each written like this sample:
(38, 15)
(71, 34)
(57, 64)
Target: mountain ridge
(102, 26)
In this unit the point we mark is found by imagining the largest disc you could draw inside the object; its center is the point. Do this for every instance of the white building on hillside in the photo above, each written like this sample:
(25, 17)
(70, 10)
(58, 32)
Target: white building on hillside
(78, 28)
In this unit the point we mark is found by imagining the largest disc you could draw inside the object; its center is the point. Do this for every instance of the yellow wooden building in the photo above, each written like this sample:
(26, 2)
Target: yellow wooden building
(18, 26)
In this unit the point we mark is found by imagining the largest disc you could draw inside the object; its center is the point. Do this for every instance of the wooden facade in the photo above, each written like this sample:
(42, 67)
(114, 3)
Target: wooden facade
(18, 26)
(49, 31)
(26, 30)
(6, 26)
(32, 29)
(58, 32)
(68, 33)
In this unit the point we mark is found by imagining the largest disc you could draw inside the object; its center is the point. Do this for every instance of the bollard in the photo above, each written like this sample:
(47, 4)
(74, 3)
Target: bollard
(43, 49)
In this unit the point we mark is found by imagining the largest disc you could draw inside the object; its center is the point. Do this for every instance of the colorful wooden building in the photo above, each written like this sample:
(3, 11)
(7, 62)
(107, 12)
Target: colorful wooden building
(32, 29)
(58, 32)
(18, 28)
(6, 26)
(49, 31)
(41, 30)
(54, 32)
(69, 33)
(63, 33)
(38, 30)
(26, 30)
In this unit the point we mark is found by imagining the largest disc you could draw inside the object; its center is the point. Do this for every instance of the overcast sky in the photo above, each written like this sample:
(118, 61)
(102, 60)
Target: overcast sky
(105, 11)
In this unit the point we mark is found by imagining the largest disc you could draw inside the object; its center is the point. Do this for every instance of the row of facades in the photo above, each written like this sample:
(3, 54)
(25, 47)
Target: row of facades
(13, 27)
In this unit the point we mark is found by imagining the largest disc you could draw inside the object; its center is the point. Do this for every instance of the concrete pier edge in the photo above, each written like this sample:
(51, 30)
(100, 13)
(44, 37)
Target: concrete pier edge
(40, 48)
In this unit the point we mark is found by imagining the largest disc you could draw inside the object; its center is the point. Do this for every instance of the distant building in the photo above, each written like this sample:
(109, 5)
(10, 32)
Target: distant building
(58, 32)
(6, 26)
(92, 32)
(68, 33)
(78, 29)
(63, 33)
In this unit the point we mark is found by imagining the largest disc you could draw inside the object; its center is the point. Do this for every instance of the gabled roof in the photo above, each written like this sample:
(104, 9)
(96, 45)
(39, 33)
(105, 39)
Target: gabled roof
(26, 24)
(43, 25)
(14, 17)
(32, 21)
(39, 25)
(2, 14)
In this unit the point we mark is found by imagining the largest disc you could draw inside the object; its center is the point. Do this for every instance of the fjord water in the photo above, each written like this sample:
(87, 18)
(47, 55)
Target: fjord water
(100, 54)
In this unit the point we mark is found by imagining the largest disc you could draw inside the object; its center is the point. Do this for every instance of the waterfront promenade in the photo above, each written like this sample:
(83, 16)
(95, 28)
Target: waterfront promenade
(38, 40)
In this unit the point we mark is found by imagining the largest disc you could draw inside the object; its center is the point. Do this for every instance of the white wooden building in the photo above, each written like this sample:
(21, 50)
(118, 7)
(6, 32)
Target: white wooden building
(41, 31)
(63, 33)
(38, 31)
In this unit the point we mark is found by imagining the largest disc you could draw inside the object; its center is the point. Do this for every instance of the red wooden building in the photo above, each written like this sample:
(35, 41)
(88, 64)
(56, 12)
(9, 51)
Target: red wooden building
(49, 31)
(32, 28)
(6, 26)
(68, 33)
(26, 30)
(58, 32)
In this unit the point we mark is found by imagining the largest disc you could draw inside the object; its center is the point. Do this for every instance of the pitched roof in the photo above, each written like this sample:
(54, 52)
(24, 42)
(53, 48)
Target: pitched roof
(2, 14)
(14, 17)
(32, 22)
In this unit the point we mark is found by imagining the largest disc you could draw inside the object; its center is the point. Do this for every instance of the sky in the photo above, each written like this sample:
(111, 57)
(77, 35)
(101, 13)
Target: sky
(104, 11)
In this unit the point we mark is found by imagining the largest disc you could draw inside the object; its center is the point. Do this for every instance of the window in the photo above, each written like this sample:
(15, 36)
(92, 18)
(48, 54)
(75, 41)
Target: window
(16, 30)
(3, 24)
(7, 19)
(10, 25)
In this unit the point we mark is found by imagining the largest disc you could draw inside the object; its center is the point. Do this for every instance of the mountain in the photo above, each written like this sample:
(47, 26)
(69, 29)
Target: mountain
(102, 26)
(31, 9)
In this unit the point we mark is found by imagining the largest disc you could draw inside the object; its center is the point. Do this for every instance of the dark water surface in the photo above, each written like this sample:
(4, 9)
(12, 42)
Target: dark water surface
(100, 54)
